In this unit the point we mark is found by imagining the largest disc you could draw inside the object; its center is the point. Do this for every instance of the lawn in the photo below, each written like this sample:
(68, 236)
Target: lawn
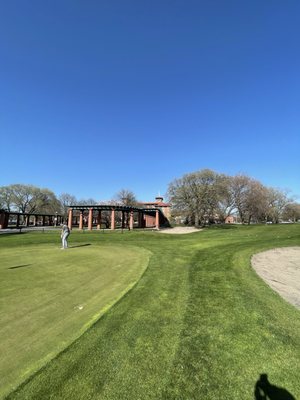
(199, 324)
(50, 297)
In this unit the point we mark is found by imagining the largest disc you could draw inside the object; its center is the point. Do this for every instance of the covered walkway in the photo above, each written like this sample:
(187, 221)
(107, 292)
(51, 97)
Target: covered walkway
(114, 216)
(90, 217)
(13, 219)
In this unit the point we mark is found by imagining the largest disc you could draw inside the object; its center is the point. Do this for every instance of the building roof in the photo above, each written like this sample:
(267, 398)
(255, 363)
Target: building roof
(156, 203)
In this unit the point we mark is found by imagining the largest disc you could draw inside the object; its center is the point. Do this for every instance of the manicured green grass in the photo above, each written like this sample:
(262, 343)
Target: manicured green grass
(199, 324)
(50, 297)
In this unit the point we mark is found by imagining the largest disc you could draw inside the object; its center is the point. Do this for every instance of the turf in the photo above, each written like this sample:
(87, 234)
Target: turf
(199, 324)
(50, 297)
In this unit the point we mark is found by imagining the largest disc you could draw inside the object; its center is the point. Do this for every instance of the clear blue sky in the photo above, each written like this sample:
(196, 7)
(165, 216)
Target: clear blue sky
(100, 95)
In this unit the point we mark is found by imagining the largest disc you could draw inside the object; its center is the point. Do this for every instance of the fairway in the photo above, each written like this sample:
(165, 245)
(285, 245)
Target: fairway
(50, 297)
(198, 324)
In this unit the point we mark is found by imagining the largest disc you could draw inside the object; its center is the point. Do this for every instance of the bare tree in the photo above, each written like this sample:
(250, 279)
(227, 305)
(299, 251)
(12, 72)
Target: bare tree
(226, 204)
(291, 212)
(6, 198)
(239, 188)
(29, 199)
(126, 197)
(106, 215)
(87, 202)
(24, 197)
(256, 202)
(277, 202)
(250, 199)
(66, 200)
(47, 202)
(198, 196)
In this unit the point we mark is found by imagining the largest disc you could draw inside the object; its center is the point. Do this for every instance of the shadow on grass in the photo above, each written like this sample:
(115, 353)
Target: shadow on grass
(264, 390)
(13, 233)
(80, 245)
(20, 266)
(222, 226)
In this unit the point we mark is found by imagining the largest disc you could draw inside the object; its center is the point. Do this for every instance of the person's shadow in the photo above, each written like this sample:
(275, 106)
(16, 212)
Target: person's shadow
(264, 390)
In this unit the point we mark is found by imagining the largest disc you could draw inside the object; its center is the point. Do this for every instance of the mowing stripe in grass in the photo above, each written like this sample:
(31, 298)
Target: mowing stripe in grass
(200, 324)
(127, 353)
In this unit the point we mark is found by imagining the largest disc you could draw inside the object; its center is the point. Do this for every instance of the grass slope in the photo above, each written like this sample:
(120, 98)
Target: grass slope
(50, 297)
(200, 324)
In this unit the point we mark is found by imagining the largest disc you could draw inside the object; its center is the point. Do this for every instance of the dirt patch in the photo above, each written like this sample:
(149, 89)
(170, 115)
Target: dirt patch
(180, 230)
(280, 269)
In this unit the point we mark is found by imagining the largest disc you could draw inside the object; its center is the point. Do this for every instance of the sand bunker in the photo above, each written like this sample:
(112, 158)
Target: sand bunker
(180, 230)
(280, 269)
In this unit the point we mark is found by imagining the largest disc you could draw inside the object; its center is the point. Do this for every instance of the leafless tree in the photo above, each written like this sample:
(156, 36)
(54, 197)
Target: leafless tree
(278, 200)
(87, 202)
(126, 197)
(6, 198)
(199, 196)
(226, 204)
(29, 199)
(206, 196)
(66, 200)
(291, 212)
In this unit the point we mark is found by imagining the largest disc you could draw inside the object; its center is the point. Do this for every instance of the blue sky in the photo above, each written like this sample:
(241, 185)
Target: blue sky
(97, 95)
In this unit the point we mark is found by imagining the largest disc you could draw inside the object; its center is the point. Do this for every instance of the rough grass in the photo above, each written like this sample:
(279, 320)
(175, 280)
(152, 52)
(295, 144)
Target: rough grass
(200, 324)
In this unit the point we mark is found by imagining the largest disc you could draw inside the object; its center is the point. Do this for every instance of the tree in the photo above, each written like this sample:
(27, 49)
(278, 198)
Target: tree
(106, 215)
(126, 197)
(239, 188)
(67, 200)
(277, 203)
(291, 212)
(29, 199)
(87, 202)
(252, 200)
(206, 196)
(6, 201)
(226, 204)
(198, 196)
(256, 202)
(47, 202)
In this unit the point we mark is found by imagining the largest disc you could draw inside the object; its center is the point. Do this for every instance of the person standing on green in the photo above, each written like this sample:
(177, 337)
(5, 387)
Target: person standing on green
(65, 232)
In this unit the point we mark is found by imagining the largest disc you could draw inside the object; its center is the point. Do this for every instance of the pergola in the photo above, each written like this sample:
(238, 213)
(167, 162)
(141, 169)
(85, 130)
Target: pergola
(91, 215)
(17, 219)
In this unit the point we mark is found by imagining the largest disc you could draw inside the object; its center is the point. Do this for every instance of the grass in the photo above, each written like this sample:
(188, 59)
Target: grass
(50, 297)
(199, 324)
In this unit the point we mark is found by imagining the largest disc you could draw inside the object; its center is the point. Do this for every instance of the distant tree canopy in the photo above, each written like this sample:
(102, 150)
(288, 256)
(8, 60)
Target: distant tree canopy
(200, 198)
(206, 196)
(32, 199)
(87, 202)
(126, 197)
(66, 200)
(28, 199)
(291, 212)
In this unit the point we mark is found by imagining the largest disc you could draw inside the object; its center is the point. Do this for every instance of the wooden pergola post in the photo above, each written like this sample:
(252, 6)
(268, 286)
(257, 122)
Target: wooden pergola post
(112, 222)
(99, 220)
(70, 218)
(4, 220)
(131, 220)
(157, 219)
(90, 220)
(81, 220)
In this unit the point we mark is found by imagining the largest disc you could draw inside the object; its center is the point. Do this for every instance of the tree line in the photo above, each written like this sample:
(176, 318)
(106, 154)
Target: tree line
(205, 197)
(198, 198)
(34, 200)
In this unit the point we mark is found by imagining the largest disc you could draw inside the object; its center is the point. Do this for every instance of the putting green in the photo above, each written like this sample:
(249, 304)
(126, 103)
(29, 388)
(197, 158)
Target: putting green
(49, 297)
